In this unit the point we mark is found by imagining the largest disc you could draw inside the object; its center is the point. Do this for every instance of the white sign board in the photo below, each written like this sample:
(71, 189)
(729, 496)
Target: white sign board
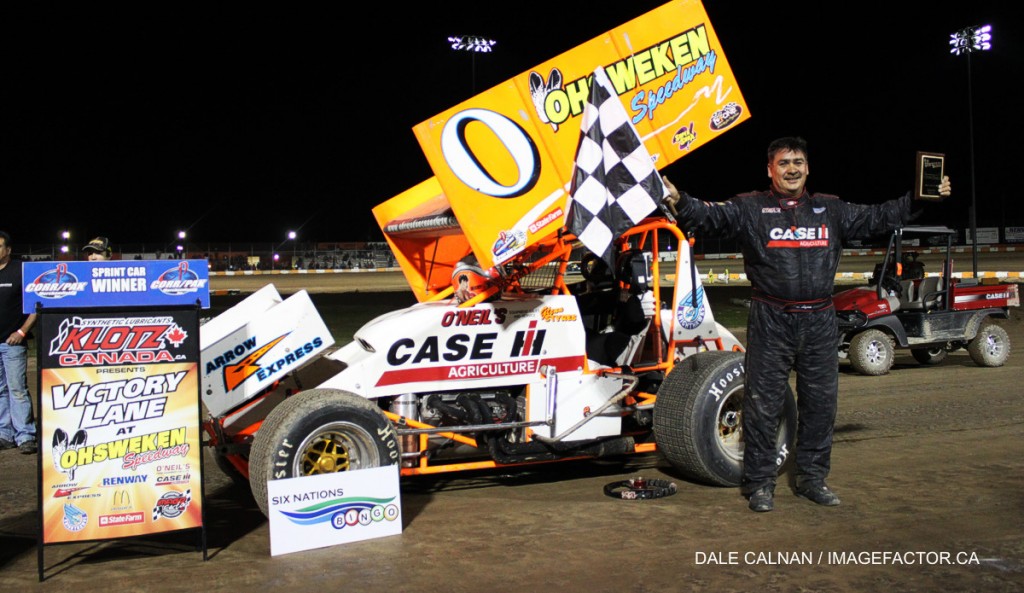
(329, 509)
(986, 235)
(1014, 234)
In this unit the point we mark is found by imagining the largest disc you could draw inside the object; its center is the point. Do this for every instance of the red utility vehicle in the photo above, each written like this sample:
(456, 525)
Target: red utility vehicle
(932, 314)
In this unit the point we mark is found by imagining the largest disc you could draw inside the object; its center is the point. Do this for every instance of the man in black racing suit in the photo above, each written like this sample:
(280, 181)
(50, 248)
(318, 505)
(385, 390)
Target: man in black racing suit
(791, 242)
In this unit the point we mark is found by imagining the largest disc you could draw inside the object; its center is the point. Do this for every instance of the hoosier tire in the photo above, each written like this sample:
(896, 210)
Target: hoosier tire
(872, 352)
(697, 418)
(320, 431)
(990, 347)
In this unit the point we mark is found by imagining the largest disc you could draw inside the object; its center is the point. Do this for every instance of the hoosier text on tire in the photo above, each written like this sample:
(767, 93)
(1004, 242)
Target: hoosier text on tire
(697, 418)
(317, 432)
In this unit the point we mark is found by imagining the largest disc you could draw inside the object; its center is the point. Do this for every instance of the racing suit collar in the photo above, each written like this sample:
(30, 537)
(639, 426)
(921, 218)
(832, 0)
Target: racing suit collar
(787, 202)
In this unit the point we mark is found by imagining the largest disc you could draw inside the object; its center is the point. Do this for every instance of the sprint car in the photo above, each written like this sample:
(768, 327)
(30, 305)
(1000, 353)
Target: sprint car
(530, 370)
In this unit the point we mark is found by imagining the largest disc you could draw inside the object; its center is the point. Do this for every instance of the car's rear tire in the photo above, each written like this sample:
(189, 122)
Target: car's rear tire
(933, 355)
(317, 432)
(872, 352)
(990, 347)
(698, 418)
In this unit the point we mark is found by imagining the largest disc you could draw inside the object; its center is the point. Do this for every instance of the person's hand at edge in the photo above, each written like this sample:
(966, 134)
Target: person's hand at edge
(672, 198)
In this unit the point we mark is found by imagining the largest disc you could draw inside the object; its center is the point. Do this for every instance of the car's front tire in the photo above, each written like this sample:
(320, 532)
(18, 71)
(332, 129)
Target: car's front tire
(317, 432)
(698, 418)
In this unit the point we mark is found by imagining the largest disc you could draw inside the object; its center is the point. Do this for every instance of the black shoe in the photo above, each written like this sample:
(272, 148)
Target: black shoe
(28, 447)
(818, 493)
(5, 444)
(762, 500)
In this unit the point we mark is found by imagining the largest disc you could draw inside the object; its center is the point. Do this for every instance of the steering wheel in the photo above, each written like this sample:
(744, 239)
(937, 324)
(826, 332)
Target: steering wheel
(891, 285)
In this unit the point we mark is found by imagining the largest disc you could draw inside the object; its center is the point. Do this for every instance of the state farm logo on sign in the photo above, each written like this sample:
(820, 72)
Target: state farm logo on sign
(121, 519)
(119, 340)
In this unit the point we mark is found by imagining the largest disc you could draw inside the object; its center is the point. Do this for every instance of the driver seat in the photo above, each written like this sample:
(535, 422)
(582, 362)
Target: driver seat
(908, 294)
(616, 344)
(930, 292)
(612, 346)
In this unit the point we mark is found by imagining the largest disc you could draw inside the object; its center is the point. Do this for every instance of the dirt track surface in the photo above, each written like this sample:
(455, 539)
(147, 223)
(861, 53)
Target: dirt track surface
(929, 463)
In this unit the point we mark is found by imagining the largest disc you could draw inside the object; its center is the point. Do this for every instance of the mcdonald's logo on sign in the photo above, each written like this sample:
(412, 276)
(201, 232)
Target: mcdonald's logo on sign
(120, 500)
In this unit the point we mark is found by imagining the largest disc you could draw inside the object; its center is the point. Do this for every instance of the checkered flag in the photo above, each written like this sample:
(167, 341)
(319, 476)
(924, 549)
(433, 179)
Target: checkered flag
(615, 184)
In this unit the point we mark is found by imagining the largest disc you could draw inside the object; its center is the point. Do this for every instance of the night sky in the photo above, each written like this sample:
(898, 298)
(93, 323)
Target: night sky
(241, 123)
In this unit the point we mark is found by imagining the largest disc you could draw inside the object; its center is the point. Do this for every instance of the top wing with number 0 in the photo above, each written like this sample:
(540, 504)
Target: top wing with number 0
(503, 160)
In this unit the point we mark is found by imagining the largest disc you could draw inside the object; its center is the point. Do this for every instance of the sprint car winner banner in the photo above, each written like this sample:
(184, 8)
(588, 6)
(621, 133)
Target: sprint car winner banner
(119, 423)
(504, 158)
(115, 284)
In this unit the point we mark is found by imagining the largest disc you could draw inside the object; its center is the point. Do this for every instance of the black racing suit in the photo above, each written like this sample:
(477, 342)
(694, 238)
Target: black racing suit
(791, 249)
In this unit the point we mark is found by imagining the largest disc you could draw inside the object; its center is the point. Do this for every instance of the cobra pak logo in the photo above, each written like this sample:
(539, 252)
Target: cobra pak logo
(56, 283)
(178, 280)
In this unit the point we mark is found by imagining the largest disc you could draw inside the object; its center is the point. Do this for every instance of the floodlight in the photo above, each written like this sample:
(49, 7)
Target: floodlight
(473, 43)
(965, 42)
(971, 39)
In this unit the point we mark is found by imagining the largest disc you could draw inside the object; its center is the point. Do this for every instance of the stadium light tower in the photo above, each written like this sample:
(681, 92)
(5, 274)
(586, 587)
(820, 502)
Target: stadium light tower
(965, 42)
(474, 44)
(291, 237)
(180, 247)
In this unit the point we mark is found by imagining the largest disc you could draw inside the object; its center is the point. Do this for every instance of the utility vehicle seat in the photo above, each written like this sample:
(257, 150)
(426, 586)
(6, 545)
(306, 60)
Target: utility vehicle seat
(930, 292)
(908, 294)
